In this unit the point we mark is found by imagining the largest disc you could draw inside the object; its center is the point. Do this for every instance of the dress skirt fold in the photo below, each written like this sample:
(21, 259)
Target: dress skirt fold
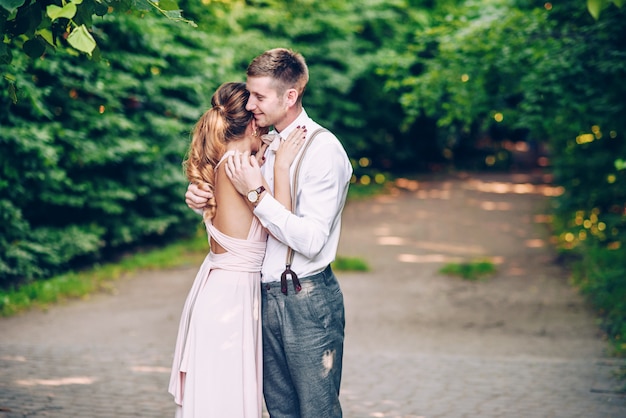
(217, 367)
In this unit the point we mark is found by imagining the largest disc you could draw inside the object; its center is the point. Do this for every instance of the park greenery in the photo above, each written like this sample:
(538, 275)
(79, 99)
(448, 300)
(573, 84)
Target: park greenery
(474, 270)
(98, 98)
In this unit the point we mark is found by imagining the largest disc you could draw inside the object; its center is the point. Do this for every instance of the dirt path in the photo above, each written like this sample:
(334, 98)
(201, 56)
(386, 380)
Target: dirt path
(418, 344)
(527, 308)
(523, 343)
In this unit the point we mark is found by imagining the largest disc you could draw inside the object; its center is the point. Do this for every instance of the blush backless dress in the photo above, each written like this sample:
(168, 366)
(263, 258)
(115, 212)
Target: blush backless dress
(217, 369)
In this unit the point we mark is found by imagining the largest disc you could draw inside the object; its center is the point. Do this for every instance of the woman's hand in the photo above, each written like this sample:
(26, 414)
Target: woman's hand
(289, 148)
(260, 132)
(260, 154)
(285, 155)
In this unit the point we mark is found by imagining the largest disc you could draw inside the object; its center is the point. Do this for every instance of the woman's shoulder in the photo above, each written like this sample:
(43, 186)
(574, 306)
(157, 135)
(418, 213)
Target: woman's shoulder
(223, 158)
(226, 195)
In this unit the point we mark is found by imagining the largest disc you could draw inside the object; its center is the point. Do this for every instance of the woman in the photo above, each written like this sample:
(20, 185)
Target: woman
(217, 369)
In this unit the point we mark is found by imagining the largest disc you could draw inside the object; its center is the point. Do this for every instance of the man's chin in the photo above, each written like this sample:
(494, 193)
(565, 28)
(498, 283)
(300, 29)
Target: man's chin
(260, 121)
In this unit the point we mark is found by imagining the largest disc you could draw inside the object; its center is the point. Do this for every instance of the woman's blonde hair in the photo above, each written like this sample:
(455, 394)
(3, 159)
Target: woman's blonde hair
(226, 120)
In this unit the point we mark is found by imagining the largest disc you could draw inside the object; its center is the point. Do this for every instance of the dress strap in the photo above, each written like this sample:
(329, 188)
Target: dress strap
(225, 156)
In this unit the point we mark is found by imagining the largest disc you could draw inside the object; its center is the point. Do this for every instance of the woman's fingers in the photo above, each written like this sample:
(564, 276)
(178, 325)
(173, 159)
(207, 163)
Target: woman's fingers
(295, 140)
(290, 147)
(297, 135)
(260, 154)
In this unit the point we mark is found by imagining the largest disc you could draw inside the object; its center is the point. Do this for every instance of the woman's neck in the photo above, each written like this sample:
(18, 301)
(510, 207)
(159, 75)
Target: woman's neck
(240, 146)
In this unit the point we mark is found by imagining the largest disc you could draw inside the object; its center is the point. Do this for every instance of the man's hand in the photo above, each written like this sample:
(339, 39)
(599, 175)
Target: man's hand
(244, 172)
(196, 197)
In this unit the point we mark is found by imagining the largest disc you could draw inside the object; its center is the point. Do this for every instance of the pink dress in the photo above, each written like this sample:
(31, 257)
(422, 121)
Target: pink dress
(217, 369)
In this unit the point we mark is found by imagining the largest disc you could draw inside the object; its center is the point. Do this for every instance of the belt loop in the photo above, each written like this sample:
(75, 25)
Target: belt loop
(326, 274)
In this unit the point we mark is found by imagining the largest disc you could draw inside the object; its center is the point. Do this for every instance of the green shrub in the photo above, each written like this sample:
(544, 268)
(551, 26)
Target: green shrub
(601, 276)
(91, 153)
(471, 270)
(349, 264)
(78, 284)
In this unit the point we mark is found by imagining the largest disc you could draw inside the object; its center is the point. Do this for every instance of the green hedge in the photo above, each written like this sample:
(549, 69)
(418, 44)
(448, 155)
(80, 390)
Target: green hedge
(588, 141)
(600, 276)
(541, 73)
(91, 152)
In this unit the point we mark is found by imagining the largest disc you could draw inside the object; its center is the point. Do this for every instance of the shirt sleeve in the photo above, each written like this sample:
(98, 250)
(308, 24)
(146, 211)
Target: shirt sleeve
(322, 189)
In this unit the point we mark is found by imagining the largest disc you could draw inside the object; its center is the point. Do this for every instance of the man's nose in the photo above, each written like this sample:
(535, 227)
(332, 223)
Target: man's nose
(250, 106)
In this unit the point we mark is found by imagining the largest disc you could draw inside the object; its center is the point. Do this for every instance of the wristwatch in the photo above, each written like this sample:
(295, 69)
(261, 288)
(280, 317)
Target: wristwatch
(253, 195)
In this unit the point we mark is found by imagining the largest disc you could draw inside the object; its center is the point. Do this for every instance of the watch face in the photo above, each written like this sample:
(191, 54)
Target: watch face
(253, 195)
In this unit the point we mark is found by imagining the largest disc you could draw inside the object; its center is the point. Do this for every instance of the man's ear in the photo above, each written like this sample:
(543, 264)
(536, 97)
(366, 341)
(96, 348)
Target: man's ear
(291, 97)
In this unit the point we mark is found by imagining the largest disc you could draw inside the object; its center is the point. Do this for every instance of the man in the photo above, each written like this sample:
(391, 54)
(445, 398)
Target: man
(303, 320)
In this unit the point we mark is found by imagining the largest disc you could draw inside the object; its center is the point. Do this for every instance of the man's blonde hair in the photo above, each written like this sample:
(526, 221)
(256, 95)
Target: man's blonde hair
(287, 68)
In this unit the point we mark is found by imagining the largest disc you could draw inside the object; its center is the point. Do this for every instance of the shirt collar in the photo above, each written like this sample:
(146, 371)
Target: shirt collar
(299, 121)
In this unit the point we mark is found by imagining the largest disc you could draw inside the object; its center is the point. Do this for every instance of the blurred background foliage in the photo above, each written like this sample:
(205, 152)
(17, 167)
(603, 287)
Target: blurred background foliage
(92, 134)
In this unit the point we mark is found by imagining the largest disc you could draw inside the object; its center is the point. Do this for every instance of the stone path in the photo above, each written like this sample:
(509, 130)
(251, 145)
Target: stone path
(418, 344)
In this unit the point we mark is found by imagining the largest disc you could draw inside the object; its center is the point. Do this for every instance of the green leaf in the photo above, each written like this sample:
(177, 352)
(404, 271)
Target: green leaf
(11, 5)
(13, 93)
(169, 5)
(173, 14)
(5, 54)
(100, 9)
(144, 5)
(54, 12)
(34, 48)
(81, 39)
(46, 35)
(594, 7)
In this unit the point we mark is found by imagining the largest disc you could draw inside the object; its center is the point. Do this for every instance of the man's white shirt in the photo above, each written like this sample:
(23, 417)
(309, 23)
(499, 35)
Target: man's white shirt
(313, 230)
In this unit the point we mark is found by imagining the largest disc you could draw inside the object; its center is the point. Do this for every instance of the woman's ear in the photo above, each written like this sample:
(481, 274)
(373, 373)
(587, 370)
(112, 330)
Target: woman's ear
(254, 126)
(258, 130)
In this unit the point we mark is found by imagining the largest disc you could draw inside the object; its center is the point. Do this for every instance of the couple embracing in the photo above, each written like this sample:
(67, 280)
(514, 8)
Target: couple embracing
(265, 314)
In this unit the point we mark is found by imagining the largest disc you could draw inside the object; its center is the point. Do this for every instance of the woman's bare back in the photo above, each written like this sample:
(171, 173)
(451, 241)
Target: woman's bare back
(233, 216)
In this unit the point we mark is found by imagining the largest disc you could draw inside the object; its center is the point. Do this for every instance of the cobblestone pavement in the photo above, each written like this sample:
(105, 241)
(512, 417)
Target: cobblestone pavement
(418, 344)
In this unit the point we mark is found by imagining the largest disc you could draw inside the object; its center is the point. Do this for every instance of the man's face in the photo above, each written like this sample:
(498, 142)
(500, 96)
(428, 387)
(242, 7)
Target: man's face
(268, 107)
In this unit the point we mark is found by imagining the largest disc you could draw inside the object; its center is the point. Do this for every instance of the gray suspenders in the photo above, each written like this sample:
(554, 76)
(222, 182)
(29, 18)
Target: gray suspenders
(294, 189)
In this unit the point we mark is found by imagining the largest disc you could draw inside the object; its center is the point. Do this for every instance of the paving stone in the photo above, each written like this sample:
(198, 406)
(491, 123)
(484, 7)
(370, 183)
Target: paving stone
(418, 344)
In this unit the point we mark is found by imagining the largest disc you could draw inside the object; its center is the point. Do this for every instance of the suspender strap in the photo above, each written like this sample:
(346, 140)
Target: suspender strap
(294, 189)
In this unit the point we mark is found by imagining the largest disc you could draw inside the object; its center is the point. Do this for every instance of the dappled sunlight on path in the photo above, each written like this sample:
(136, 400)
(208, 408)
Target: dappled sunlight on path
(449, 347)
(521, 343)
